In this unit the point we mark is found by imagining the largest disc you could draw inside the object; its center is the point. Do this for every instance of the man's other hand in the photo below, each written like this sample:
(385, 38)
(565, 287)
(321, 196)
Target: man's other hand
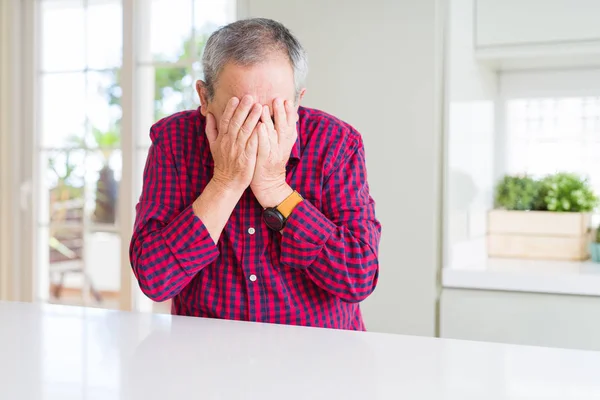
(234, 143)
(275, 142)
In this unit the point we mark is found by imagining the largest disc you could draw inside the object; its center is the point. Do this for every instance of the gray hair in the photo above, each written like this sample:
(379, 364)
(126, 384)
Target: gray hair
(249, 42)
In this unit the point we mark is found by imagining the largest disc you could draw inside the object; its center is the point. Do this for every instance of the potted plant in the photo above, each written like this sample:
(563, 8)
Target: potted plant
(106, 186)
(541, 219)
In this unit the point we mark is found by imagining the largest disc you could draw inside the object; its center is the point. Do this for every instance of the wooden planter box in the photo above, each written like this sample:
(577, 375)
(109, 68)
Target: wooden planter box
(539, 235)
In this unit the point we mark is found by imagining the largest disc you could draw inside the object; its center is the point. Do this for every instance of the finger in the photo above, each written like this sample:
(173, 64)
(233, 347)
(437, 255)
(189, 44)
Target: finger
(228, 114)
(290, 112)
(250, 123)
(240, 115)
(252, 144)
(264, 145)
(291, 116)
(266, 118)
(211, 128)
(279, 113)
(268, 121)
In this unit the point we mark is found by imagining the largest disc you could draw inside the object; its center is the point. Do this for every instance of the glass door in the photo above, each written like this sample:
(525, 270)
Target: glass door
(78, 152)
(95, 103)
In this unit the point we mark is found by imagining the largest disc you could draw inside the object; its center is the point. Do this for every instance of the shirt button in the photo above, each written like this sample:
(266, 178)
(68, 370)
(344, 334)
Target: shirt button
(252, 278)
(251, 231)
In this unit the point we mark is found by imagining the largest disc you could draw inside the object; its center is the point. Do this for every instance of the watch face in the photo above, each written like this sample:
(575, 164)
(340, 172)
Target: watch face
(273, 219)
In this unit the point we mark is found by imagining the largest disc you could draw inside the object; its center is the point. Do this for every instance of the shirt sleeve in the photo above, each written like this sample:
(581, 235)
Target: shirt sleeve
(338, 245)
(170, 244)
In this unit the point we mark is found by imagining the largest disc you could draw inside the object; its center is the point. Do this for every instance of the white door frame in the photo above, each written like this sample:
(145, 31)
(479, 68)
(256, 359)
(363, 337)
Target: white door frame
(18, 267)
(128, 146)
(16, 212)
(7, 201)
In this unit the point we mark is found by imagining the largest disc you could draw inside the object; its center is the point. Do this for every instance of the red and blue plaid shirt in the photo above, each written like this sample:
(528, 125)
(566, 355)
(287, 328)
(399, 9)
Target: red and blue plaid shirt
(315, 273)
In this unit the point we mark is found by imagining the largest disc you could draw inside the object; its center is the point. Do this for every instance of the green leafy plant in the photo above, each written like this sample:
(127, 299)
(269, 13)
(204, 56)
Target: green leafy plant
(567, 192)
(520, 193)
(560, 192)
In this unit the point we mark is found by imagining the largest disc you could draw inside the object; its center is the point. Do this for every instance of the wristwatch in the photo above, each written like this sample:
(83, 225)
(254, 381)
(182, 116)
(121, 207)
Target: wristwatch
(276, 217)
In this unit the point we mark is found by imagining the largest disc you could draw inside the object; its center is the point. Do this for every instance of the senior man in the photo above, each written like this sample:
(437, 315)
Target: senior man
(253, 207)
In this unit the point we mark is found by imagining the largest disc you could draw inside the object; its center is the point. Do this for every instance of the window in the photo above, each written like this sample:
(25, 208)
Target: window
(552, 134)
(78, 151)
(531, 122)
(79, 155)
(170, 63)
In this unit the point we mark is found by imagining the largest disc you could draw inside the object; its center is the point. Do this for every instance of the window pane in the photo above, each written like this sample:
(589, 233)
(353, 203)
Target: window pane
(103, 109)
(63, 35)
(210, 15)
(103, 266)
(103, 173)
(104, 34)
(166, 29)
(64, 235)
(64, 183)
(162, 91)
(548, 135)
(173, 91)
(63, 110)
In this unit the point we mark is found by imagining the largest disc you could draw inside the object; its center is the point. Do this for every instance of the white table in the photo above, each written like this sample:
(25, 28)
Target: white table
(53, 352)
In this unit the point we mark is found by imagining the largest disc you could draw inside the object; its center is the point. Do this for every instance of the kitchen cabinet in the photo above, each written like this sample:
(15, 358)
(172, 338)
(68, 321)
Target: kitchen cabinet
(537, 33)
(535, 22)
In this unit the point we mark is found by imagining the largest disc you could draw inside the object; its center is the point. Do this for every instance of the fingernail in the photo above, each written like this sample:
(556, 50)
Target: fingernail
(247, 99)
(235, 101)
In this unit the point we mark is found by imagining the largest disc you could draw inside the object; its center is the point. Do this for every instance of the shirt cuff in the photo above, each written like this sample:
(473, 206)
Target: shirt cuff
(189, 241)
(306, 232)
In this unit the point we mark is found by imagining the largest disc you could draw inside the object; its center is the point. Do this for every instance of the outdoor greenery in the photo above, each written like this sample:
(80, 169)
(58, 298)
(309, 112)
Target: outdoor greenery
(560, 192)
(66, 187)
(171, 82)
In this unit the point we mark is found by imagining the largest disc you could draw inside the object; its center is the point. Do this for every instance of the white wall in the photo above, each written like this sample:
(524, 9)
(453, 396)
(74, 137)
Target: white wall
(377, 65)
(471, 92)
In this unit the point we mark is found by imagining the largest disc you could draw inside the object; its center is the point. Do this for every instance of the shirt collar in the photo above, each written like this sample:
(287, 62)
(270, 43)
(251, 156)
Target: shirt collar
(207, 158)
